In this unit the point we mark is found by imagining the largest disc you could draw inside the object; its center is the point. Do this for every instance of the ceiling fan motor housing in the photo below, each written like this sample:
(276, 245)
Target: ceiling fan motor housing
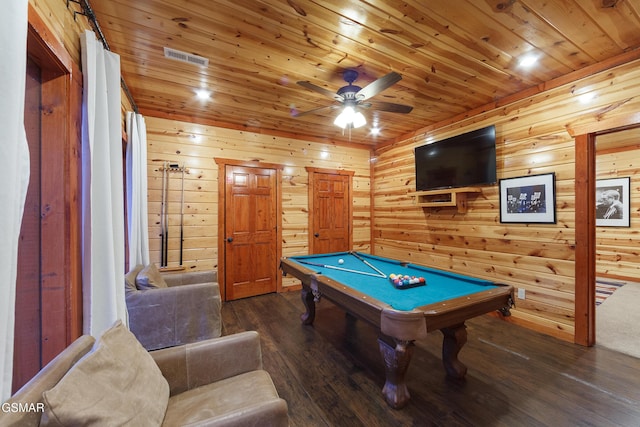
(349, 91)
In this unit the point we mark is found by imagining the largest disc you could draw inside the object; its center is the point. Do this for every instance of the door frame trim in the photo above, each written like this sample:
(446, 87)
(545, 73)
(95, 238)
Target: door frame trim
(222, 166)
(585, 262)
(62, 92)
(312, 172)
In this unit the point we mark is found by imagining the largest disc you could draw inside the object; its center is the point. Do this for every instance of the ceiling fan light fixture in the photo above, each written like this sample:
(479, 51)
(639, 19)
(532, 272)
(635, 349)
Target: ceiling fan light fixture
(345, 117)
(359, 120)
(349, 117)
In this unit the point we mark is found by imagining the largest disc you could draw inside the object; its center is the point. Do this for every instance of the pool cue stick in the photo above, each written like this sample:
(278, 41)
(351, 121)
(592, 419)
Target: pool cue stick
(367, 263)
(162, 216)
(339, 268)
(182, 215)
(165, 249)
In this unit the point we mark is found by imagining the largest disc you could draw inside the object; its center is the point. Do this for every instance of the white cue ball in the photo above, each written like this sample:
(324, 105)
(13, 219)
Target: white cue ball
(340, 261)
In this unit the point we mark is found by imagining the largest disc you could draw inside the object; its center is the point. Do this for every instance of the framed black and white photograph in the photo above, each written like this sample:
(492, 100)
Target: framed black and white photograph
(528, 199)
(613, 202)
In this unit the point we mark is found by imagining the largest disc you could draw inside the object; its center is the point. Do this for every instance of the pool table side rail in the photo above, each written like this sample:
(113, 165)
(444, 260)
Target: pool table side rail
(432, 271)
(457, 310)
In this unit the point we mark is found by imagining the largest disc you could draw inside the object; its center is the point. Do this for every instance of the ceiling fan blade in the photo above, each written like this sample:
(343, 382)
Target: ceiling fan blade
(391, 107)
(319, 89)
(315, 110)
(378, 86)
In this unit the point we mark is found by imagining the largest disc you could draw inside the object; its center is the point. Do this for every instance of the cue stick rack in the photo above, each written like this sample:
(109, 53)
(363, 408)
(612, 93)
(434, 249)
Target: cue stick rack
(168, 169)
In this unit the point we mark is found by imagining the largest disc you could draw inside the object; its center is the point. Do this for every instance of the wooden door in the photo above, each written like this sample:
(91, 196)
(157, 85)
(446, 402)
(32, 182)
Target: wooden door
(250, 234)
(330, 211)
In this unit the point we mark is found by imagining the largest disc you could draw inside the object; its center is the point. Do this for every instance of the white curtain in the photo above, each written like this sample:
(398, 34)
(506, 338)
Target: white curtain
(103, 189)
(14, 174)
(137, 190)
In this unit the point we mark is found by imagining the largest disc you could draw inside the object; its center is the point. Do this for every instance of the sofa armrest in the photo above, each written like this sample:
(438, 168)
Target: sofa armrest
(46, 379)
(176, 315)
(197, 364)
(190, 277)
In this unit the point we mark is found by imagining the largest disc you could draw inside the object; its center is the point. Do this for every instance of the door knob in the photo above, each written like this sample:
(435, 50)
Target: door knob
(317, 235)
(229, 239)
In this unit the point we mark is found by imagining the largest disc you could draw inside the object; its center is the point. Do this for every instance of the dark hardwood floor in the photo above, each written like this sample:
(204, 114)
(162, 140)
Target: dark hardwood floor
(331, 373)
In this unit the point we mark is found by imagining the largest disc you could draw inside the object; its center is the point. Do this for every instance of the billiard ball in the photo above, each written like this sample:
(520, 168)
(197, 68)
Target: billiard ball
(340, 261)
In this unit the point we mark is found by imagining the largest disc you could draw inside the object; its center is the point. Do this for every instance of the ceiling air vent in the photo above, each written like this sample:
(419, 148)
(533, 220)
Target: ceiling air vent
(185, 57)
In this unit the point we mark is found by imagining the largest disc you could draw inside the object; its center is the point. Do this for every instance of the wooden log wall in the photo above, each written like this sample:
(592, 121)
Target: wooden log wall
(196, 146)
(532, 138)
(617, 251)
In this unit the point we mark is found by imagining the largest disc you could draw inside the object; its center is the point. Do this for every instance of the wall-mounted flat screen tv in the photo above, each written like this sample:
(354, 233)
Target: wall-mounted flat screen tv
(461, 161)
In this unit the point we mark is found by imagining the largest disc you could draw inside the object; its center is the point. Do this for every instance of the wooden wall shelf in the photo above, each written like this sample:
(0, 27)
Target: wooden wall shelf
(171, 269)
(448, 197)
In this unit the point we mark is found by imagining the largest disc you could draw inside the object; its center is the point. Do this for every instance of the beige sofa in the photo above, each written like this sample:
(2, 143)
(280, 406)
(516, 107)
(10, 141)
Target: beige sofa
(114, 381)
(172, 309)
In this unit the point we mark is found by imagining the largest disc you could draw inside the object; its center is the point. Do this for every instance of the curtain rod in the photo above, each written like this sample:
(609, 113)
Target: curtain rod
(88, 12)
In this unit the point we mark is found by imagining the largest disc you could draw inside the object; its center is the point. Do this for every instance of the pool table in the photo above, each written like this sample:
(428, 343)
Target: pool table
(359, 283)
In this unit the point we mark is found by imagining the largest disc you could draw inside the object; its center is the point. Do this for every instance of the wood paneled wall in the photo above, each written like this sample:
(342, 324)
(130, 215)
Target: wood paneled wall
(532, 138)
(66, 25)
(196, 146)
(62, 23)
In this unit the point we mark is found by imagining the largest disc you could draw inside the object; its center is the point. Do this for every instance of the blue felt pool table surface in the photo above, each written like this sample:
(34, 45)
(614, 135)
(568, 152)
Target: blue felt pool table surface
(440, 285)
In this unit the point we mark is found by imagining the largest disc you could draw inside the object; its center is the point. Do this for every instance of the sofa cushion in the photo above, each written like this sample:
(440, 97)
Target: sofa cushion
(116, 383)
(248, 399)
(130, 278)
(150, 278)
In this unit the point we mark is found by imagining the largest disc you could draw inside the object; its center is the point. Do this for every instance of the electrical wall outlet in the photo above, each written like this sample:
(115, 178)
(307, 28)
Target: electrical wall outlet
(521, 293)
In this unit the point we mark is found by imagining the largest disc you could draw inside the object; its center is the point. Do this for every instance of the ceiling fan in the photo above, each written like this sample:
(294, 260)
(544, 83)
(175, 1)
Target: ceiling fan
(352, 98)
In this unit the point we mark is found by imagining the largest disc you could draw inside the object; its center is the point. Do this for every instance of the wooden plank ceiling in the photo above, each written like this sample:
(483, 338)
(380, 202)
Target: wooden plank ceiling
(453, 55)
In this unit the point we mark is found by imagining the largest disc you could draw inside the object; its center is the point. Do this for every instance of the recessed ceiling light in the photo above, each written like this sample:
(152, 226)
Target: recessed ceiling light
(203, 94)
(375, 131)
(586, 98)
(528, 60)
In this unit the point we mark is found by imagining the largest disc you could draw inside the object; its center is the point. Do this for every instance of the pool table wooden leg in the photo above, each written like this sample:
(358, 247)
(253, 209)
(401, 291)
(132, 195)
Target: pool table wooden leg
(308, 300)
(396, 360)
(454, 338)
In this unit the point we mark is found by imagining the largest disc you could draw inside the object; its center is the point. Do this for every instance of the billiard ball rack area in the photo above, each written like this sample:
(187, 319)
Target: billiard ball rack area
(400, 281)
